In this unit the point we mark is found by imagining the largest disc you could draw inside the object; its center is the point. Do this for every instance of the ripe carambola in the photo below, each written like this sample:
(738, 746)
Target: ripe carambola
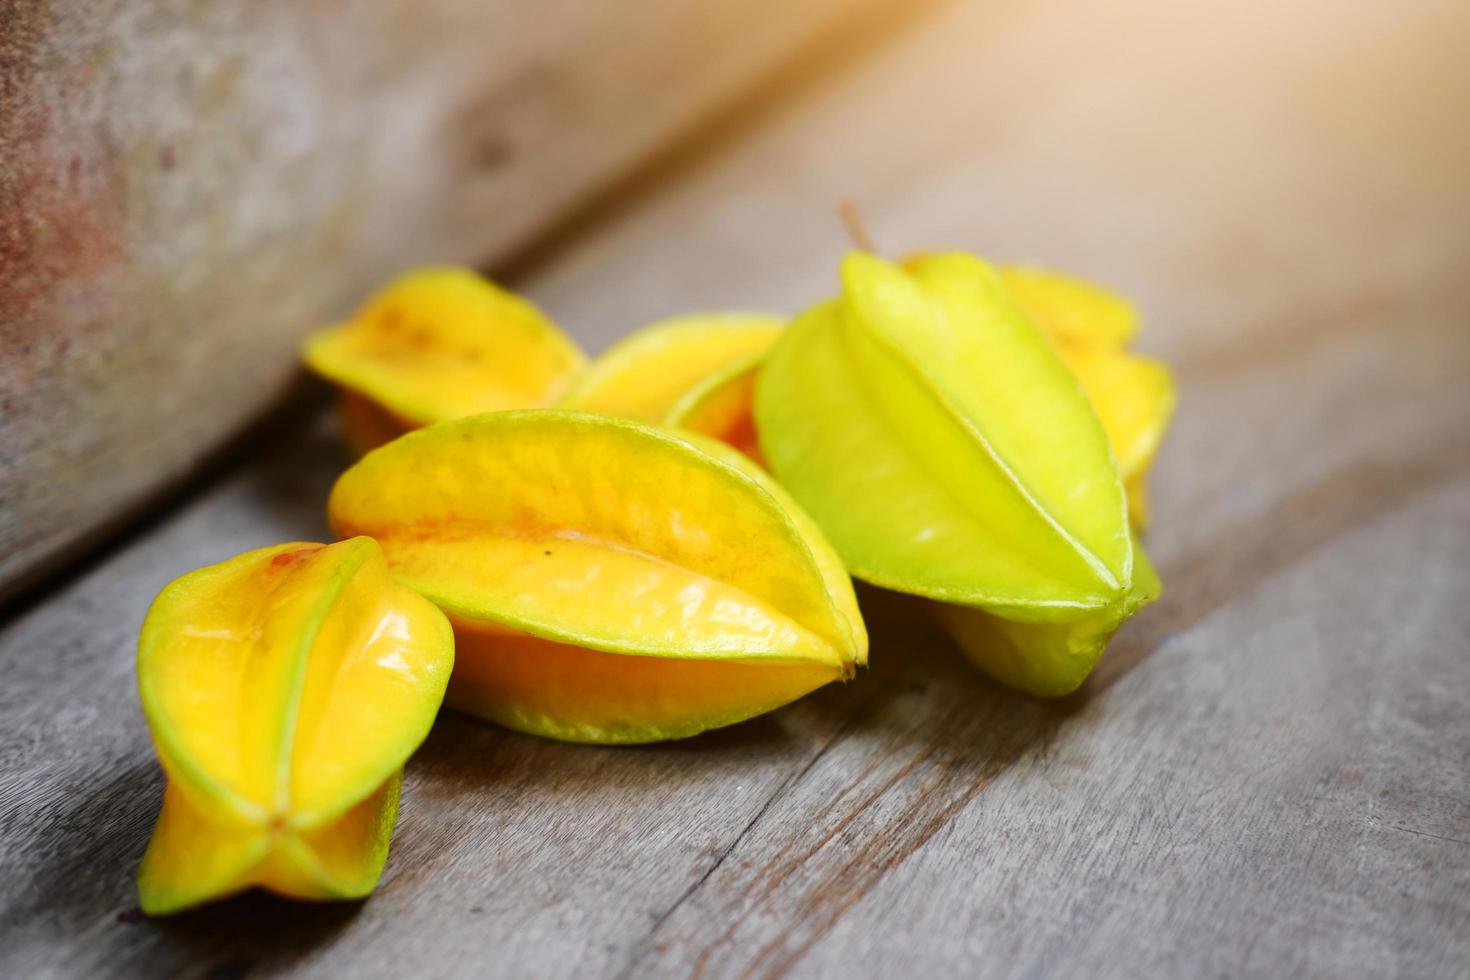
(284, 689)
(946, 450)
(608, 581)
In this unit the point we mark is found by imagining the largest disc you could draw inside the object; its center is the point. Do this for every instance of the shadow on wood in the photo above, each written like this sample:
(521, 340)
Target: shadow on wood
(92, 846)
(933, 734)
(228, 939)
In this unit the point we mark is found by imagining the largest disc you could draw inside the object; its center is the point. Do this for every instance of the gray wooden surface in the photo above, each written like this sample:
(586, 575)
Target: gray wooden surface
(1270, 774)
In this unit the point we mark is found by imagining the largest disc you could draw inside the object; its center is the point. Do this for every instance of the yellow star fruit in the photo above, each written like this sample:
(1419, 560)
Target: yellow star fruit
(607, 581)
(1070, 310)
(284, 690)
(437, 344)
(720, 406)
(947, 451)
(1133, 396)
(645, 374)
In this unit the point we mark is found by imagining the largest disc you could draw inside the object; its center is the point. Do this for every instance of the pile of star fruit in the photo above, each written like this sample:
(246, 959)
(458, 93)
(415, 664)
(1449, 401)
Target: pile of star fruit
(646, 546)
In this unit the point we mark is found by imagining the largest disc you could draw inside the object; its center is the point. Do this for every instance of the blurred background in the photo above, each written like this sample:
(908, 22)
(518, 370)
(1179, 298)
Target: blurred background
(186, 189)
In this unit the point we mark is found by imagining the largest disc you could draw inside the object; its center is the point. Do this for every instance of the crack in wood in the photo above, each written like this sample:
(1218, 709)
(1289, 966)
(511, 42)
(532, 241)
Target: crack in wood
(1425, 833)
(647, 942)
(1231, 564)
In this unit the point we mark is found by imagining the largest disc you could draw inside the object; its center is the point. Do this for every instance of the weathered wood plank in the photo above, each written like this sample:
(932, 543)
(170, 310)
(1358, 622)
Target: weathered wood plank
(1269, 775)
(186, 187)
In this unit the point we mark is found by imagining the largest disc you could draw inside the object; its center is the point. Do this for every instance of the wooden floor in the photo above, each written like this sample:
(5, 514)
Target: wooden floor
(1270, 773)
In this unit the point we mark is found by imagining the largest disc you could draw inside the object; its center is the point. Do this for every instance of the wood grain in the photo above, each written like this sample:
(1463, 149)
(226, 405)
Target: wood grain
(1269, 775)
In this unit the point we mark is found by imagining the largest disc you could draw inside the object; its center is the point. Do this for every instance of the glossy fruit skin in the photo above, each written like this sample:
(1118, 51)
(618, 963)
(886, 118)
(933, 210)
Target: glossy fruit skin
(948, 455)
(1134, 396)
(946, 450)
(1071, 311)
(1090, 327)
(568, 545)
(1046, 659)
(644, 375)
(574, 693)
(722, 406)
(284, 689)
(441, 343)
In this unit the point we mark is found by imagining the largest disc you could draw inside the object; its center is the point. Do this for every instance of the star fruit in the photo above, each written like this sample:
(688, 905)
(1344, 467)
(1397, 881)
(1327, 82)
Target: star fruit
(1089, 328)
(720, 406)
(947, 451)
(1071, 311)
(645, 375)
(607, 581)
(437, 344)
(284, 690)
